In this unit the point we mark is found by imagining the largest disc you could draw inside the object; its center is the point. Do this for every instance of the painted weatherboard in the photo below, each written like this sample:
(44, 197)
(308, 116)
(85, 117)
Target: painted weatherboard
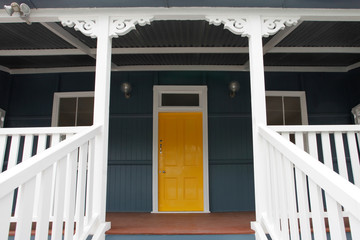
(330, 97)
(4, 90)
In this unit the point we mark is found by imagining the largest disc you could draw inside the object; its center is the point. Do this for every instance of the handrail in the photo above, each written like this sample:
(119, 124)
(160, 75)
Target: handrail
(23, 172)
(315, 128)
(41, 130)
(336, 186)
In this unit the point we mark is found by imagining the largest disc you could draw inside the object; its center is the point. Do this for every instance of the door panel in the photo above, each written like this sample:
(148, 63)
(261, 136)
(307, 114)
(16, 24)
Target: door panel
(180, 162)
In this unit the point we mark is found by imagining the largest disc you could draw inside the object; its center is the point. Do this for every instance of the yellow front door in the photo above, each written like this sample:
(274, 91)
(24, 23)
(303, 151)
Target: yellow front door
(180, 162)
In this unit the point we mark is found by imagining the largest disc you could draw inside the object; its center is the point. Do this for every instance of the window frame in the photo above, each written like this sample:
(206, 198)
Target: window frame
(56, 103)
(300, 94)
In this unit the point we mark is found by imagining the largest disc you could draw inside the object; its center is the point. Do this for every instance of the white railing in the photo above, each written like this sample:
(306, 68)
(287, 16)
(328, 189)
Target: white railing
(303, 193)
(54, 186)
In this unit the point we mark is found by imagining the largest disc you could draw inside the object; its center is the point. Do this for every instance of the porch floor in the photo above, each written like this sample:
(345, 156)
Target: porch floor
(180, 223)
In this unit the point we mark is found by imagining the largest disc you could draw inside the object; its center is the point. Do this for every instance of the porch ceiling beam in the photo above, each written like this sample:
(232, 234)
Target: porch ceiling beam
(230, 68)
(281, 35)
(62, 33)
(353, 66)
(179, 50)
(5, 69)
(185, 13)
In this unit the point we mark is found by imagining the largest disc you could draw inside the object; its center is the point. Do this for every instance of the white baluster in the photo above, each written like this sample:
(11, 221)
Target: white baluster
(3, 140)
(354, 157)
(90, 181)
(42, 224)
(336, 220)
(325, 140)
(340, 153)
(70, 195)
(317, 211)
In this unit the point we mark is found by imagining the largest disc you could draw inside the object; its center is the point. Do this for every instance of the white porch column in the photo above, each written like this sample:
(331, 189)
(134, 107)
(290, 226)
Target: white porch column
(258, 110)
(101, 114)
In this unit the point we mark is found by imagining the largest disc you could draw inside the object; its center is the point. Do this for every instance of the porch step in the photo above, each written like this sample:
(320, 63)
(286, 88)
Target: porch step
(182, 237)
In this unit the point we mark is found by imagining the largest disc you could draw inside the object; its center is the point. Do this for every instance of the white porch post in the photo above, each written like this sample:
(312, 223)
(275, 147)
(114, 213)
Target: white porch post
(101, 114)
(258, 110)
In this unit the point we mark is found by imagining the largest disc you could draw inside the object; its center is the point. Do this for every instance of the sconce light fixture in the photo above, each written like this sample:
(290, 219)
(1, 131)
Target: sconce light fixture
(234, 87)
(126, 88)
(23, 9)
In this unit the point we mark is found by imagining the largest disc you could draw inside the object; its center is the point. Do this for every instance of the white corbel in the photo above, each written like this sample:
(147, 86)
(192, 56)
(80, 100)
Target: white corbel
(121, 26)
(241, 25)
(238, 26)
(271, 26)
(86, 26)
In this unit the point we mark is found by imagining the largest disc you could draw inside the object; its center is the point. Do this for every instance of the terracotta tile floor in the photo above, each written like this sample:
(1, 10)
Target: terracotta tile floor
(180, 223)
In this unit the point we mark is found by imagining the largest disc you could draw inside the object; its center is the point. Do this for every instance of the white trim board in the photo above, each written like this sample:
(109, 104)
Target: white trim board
(184, 13)
(179, 50)
(56, 103)
(202, 91)
(300, 94)
(230, 68)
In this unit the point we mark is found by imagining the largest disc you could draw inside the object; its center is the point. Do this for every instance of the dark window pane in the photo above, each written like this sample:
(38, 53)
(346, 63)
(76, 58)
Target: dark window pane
(274, 111)
(172, 99)
(292, 111)
(85, 111)
(67, 111)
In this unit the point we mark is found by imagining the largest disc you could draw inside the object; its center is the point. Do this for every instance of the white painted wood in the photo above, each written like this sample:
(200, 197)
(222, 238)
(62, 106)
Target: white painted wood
(3, 140)
(5, 69)
(57, 226)
(183, 13)
(182, 50)
(65, 35)
(27, 151)
(70, 195)
(284, 221)
(5, 213)
(90, 181)
(336, 220)
(55, 139)
(316, 128)
(80, 194)
(41, 146)
(340, 154)
(317, 211)
(10, 179)
(14, 151)
(325, 140)
(275, 190)
(302, 196)
(354, 226)
(41, 130)
(25, 210)
(354, 157)
(299, 94)
(103, 227)
(291, 199)
(259, 232)
(101, 115)
(336, 186)
(56, 103)
(42, 224)
(258, 110)
(353, 66)
(157, 107)
(229, 68)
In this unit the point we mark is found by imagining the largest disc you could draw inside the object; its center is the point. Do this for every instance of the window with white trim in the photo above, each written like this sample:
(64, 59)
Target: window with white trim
(73, 109)
(286, 108)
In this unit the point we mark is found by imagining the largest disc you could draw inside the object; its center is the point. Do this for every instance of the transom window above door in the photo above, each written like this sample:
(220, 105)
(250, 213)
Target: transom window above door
(73, 109)
(286, 108)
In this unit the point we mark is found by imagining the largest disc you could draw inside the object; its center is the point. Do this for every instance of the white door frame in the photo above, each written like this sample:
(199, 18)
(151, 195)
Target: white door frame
(202, 91)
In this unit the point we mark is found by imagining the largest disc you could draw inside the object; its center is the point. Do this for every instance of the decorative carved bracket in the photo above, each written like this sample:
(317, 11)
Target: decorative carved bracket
(241, 26)
(118, 26)
(122, 26)
(238, 26)
(271, 26)
(87, 27)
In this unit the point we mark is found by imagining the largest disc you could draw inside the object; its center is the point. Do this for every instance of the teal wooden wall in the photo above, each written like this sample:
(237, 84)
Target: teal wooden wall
(28, 100)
